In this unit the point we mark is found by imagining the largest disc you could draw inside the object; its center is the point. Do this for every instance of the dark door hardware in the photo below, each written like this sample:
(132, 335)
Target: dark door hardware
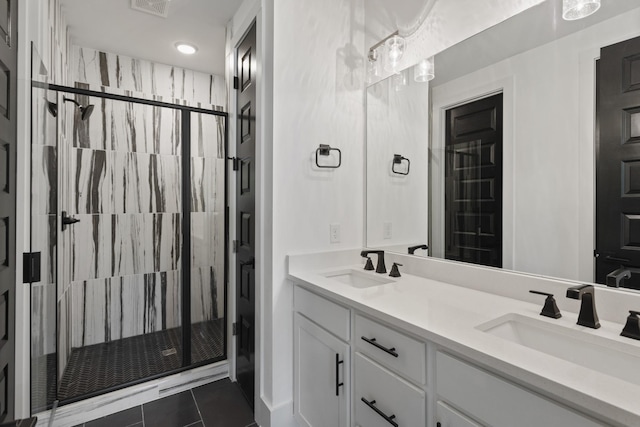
(369, 265)
(394, 270)
(614, 278)
(550, 308)
(380, 268)
(388, 418)
(31, 270)
(235, 163)
(398, 160)
(438, 424)
(588, 316)
(373, 342)
(412, 249)
(236, 82)
(68, 220)
(325, 150)
(234, 329)
(632, 328)
(338, 383)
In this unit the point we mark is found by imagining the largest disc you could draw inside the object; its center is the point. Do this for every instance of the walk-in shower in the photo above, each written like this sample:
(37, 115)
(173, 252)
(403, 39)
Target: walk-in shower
(135, 286)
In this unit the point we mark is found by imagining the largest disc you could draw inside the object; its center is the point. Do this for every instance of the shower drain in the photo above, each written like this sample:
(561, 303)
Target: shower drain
(169, 352)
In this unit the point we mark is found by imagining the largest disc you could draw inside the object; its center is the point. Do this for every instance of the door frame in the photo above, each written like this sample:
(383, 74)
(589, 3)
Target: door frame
(451, 95)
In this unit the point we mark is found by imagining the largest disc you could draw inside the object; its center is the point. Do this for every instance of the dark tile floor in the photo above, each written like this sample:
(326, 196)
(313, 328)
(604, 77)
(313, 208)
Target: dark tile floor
(219, 404)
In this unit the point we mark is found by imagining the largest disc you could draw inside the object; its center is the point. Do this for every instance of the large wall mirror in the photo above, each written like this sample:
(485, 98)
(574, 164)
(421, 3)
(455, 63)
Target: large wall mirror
(522, 153)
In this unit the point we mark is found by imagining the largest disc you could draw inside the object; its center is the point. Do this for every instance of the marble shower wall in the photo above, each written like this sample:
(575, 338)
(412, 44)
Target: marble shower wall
(125, 172)
(138, 76)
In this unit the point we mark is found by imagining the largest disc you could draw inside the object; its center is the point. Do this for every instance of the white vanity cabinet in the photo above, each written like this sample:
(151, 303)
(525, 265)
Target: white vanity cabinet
(494, 401)
(321, 361)
(398, 378)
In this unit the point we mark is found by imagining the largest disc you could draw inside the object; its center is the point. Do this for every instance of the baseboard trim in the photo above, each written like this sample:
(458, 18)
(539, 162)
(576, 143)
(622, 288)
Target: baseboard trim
(110, 403)
(278, 416)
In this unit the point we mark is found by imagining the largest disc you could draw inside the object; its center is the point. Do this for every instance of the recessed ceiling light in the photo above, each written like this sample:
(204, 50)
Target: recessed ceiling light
(186, 48)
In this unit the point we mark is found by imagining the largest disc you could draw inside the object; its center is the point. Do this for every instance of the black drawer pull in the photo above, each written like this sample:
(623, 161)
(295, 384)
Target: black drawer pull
(373, 342)
(338, 383)
(389, 418)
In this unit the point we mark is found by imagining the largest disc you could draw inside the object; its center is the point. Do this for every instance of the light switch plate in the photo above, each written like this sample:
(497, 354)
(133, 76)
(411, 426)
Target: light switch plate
(386, 230)
(334, 233)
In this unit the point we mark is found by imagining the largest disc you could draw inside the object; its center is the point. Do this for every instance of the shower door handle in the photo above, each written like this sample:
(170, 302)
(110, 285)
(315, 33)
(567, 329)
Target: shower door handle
(68, 220)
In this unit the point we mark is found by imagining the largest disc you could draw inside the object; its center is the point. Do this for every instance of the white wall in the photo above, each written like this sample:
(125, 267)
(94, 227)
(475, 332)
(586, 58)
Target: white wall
(551, 161)
(318, 98)
(397, 123)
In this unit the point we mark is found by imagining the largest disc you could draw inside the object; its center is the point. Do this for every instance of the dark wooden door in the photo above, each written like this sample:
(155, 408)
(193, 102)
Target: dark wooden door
(473, 182)
(245, 211)
(8, 94)
(618, 161)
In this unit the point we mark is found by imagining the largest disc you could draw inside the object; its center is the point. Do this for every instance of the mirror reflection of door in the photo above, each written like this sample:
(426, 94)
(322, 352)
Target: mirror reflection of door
(473, 182)
(618, 165)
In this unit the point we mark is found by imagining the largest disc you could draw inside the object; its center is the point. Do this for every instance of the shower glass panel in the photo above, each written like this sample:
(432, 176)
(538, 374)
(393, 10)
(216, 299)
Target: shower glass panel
(45, 295)
(208, 237)
(132, 239)
(124, 253)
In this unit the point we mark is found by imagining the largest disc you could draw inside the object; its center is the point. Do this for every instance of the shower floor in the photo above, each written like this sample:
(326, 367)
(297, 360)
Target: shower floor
(102, 366)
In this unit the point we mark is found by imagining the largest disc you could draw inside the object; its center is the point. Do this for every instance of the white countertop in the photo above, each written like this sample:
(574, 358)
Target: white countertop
(448, 315)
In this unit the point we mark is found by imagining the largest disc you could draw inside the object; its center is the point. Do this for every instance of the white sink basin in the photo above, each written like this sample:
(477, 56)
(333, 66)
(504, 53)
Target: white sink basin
(607, 356)
(359, 279)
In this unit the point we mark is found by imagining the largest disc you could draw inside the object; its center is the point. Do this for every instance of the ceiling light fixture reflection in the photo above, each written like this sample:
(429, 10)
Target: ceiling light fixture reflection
(424, 70)
(578, 9)
(186, 48)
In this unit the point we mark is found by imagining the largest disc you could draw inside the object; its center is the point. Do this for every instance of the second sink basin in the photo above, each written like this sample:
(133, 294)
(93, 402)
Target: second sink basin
(604, 355)
(358, 279)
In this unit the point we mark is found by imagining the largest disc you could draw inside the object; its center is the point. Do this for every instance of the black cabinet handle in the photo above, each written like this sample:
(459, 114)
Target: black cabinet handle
(338, 383)
(373, 342)
(388, 418)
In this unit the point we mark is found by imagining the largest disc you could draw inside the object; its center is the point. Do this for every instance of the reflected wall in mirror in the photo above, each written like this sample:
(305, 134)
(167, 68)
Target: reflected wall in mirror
(544, 69)
(397, 158)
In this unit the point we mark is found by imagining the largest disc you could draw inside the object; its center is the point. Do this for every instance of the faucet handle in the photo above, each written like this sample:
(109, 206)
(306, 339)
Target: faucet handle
(394, 270)
(550, 308)
(632, 328)
(369, 264)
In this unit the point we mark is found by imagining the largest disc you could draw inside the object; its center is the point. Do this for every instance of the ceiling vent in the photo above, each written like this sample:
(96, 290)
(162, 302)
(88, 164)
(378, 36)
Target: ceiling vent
(154, 7)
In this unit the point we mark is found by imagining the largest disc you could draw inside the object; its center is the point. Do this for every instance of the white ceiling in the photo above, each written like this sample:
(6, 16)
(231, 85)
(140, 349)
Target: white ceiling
(112, 26)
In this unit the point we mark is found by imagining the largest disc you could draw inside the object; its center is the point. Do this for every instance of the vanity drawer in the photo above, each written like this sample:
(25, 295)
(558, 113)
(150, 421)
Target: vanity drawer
(390, 395)
(496, 402)
(392, 349)
(331, 316)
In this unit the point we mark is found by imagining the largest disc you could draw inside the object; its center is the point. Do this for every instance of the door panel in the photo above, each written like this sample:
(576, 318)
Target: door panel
(473, 182)
(8, 94)
(245, 208)
(618, 161)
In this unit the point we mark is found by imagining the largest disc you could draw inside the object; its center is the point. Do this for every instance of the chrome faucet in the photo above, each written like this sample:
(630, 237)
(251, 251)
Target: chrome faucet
(588, 316)
(615, 277)
(380, 268)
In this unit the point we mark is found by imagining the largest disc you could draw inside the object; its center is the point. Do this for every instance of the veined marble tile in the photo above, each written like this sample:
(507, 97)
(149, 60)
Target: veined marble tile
(121, 307)
(207, 136)
(137, 75)
(92, 183)
(207, 294)
(91, 247)
(145, 243)
(207, 185)
(44, 239)
(43, 319)
(146, 183)
(44, 181)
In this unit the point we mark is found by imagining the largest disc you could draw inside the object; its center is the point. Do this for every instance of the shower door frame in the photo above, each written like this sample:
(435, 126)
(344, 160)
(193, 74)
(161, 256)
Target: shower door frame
(186, 201)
